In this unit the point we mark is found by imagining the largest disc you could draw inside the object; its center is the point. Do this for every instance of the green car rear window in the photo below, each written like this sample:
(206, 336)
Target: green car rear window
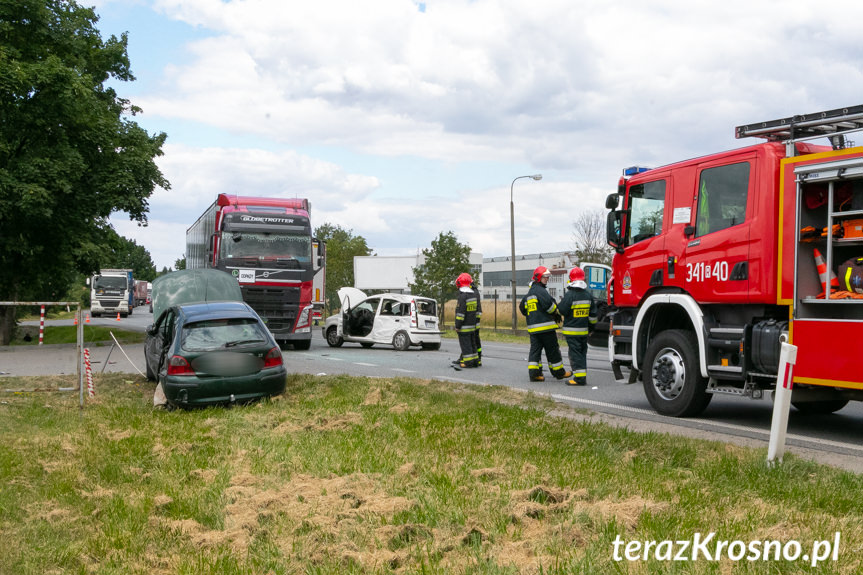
(221, 334)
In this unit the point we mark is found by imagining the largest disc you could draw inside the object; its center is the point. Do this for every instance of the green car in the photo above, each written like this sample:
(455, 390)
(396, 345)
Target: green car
(214, 350)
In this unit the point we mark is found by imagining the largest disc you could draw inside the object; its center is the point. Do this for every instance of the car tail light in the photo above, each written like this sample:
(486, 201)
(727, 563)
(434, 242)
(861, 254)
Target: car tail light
(273, 358)
(178, 365)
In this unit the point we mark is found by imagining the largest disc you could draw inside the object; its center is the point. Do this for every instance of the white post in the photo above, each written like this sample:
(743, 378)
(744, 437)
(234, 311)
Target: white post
(781, 403)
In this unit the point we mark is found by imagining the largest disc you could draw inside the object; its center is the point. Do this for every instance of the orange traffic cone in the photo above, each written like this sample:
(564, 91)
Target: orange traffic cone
(88, 319)
(118, 316)
(75, 321)
(821, 266)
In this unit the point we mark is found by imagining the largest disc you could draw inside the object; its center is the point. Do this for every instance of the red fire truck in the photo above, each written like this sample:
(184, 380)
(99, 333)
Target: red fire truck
(720, 258)
(267, 244)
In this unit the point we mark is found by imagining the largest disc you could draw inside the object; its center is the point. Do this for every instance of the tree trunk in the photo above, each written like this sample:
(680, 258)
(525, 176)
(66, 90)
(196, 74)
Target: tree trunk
(7, 324)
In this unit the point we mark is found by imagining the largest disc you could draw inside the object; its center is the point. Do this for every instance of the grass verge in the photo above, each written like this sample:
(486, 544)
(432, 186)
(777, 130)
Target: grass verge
(53, 334)
(356, 475)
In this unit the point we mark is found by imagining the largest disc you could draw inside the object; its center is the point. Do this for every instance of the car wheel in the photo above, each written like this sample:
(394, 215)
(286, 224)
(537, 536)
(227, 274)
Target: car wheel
(367, 344)
(673, 382)
(401, 341)
(431, 346)
(150, 375)
(819, 407)
(333, 339)
(302, 344)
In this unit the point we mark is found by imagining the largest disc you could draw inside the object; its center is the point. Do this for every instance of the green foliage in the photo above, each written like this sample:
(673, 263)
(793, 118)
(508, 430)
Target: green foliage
(379, 475)
(180, 264)
(446, 259)
(69, 154)
(342, 246)
(124, 253)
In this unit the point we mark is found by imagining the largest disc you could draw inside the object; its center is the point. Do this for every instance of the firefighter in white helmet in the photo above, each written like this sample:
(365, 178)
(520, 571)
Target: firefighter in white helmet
(466, 321)
(542, 319)
(579, 318)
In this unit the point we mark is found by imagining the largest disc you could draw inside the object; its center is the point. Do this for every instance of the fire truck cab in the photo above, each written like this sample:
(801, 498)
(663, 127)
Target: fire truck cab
(716, 264)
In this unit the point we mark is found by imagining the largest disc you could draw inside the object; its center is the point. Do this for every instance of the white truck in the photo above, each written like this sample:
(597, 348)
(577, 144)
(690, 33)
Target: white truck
(112, 291)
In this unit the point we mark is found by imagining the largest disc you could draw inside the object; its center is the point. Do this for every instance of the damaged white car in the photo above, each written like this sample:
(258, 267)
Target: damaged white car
(399, 320)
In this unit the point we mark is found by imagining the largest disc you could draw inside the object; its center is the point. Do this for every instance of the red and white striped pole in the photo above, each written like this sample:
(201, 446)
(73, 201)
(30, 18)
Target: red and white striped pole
(91, 392)
(781, 402)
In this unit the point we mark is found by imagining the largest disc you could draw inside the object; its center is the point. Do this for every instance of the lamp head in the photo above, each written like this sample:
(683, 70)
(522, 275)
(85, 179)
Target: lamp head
(537, 177)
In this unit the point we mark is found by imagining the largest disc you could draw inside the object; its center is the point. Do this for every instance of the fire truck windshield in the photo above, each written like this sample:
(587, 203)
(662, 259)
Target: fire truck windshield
(267, 246)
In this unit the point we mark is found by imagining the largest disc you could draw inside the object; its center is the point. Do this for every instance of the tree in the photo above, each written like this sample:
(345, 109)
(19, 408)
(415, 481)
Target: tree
(180, 264)
(69, 153)
(589, 238)
(435, 277)
(342, 246)
(127, 254)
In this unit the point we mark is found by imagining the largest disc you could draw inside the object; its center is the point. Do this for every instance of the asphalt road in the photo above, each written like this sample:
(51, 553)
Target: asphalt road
(835, 439)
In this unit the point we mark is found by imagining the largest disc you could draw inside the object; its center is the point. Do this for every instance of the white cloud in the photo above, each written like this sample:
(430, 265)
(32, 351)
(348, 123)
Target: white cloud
(575, 90)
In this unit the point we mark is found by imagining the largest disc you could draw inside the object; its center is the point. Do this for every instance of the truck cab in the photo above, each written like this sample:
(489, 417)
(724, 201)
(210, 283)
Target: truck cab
(703, 249)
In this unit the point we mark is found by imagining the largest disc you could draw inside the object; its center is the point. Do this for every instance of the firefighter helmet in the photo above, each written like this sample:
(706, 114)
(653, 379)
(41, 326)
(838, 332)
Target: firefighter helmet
(463, 280)
(539, 272)
(576, 277)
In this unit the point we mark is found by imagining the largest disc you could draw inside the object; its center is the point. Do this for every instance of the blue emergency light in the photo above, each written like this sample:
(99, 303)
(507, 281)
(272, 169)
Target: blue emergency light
(631, 171)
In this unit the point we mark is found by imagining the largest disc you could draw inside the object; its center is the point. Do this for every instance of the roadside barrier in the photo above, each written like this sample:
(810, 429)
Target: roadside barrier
(781, 403)
(91, 391)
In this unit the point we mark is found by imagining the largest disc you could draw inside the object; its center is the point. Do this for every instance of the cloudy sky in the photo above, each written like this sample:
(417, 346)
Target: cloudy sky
(402, 119)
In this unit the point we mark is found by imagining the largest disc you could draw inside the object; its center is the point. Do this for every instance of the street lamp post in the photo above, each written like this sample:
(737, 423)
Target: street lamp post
(512, 238)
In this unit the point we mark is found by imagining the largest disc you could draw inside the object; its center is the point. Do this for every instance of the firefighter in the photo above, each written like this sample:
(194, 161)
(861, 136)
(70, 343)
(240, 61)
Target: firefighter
(466, 321)
(542, 319)
(579, 318)
(477, 342)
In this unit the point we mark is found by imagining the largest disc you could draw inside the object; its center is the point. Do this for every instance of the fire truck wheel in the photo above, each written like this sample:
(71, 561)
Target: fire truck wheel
(401, 341)
(333, 339)
(819, 407)
(672, 380)
(302, 344)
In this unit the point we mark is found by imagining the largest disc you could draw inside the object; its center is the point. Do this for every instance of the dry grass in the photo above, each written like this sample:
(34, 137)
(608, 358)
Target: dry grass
(362, 475)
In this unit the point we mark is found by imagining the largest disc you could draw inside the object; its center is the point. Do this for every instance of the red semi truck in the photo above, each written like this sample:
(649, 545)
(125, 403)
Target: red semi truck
(720, 258)
(267, 244)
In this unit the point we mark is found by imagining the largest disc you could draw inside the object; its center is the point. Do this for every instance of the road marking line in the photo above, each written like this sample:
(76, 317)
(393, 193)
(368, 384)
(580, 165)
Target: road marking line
(365, 364)
(764, 432)
(403, 370)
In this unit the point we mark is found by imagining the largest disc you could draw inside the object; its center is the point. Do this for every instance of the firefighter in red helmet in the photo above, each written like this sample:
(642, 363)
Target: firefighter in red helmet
(579, 318)
(466, 321)
(542, 319)
(476, 341)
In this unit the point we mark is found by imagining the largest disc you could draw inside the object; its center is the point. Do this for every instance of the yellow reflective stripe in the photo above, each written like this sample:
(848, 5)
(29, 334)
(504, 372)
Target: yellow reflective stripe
(565, 331)
(541, 327)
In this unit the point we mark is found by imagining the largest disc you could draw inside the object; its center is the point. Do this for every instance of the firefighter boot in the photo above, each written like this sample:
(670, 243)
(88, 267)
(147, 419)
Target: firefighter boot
(561, 373)
(536, 375)
(577, 381)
